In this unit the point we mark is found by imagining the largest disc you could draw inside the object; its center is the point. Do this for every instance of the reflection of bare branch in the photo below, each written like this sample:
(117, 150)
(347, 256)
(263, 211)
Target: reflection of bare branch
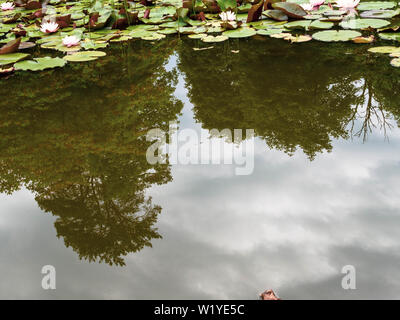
(373, 116)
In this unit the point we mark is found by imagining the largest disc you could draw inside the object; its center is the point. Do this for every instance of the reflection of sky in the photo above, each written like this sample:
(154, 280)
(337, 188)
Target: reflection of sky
(290, 226)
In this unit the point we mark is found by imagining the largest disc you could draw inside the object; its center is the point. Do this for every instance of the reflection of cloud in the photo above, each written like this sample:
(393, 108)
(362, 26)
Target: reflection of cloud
(290, 226)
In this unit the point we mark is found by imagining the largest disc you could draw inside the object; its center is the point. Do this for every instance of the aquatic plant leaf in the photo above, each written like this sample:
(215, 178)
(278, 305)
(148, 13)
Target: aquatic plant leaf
(335, 35)
(384, 49)
(197, 35)
(292, 10)
(369, 39)
(82, 56)
(12, 57)
(376, 5)
(277, 15)
(211, 38)
(395, 62)
(390, 36)
(26, 45)
(242, 32)
(39, 64)
(380, 14)
(11, 46)
(364, 23)
(255, 12)
(227, 4)
(267, 32)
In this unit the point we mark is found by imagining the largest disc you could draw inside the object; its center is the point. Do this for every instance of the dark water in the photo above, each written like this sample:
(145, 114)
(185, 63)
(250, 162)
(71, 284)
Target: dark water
(78, 193)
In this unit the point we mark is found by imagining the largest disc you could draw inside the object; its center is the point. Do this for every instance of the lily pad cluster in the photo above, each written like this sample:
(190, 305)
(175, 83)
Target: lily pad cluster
(78, 31)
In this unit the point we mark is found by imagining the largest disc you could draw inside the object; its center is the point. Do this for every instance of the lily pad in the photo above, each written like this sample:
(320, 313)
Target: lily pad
(380, 14)
(242, 32)
(12, 57)
(384, 49)
(390, 36)
(335, 35)
(292, 10)
(39, 64)
(376, 5)
(84, 56)
(211, 38)
(395, 62)
(364, 23)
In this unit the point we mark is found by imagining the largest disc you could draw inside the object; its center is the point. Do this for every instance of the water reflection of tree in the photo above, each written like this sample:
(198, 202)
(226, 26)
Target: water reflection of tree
(78, 142)
(294, 96)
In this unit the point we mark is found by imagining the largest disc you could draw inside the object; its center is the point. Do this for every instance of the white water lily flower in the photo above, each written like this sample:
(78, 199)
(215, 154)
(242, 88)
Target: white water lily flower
(7, 6)
(347, 4)
(70, 41)
(228, 16)
(49, 27)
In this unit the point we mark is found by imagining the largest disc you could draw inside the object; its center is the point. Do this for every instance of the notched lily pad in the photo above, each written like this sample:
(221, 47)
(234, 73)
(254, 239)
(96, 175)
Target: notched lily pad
(242, 32)
(364, 23)
(292, 10)
(82, 56)
(39, 64)
(335, 35)
(9, 58)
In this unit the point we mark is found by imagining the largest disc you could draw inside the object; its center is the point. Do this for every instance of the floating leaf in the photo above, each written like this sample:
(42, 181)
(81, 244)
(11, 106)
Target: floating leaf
(84, 56)
(336, 35)
(395, 62)
(211, 38)
(11, 46)
(364, 23)
(369, 39)
(242, 32)
(277, 15)
(384, 49)
(390, 36)
(12, 57)
(292, 10)
(382, 14)
(376, 5)
(39, 64)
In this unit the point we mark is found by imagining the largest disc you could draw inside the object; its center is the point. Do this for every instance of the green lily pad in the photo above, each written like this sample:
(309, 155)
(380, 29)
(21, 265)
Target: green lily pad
(335, 35)
(376, 5)
(395, 62)
(197, 35)
(384, 49)
(242, 32)
(390, 36)
(364, 23)
(84, 56)
(12, 57)
(380, 14)
(268, 32)
(39, 64)
(211, 38)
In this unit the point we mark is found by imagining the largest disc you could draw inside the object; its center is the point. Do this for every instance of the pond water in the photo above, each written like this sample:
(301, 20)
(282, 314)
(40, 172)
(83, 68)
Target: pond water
(78, 193)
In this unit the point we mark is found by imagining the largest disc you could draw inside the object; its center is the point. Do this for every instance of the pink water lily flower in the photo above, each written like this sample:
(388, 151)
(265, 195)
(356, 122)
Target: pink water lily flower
(49, 27)
(7, 6)
(70, 41)
(317, 3)
(347, 4)
(228, 16)
(312, 5)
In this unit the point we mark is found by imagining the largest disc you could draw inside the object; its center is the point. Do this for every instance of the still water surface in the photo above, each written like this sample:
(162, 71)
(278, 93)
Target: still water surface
(78, 193)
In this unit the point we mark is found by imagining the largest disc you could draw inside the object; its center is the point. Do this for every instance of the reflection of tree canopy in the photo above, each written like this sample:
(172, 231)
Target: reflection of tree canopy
(76, 138)
(293, 96)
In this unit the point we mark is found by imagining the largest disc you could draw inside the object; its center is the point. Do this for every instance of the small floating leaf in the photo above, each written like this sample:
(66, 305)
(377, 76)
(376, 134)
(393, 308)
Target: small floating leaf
(395, 62)
(364, 23)
(384, 49)
(84, 56)
(9, 58)
(334, 35)
(211, 38)
(39, 64)
(292, 10)
(376, 5)
(242, 32)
